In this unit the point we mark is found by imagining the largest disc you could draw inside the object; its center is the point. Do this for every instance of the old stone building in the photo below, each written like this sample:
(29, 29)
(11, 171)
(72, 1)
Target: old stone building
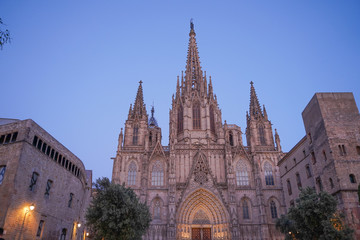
(206, 184)
(44, 188)
(328, 157)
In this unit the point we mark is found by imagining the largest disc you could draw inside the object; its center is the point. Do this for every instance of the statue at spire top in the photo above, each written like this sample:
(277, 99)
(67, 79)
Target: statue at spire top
(191, 24)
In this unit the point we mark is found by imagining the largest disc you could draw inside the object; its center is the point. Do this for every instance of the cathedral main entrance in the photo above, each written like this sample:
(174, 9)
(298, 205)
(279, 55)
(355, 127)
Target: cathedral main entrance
(202, 216)
(201, 234)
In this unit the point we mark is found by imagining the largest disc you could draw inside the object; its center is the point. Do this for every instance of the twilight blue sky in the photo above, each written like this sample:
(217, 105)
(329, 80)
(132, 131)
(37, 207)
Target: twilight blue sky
(74, 66)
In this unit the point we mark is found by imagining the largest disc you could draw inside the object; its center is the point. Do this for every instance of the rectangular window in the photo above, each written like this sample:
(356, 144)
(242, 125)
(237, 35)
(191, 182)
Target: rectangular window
(33, 181)
(35, 141)
(313, 158)
(2, 138)
(39, 144)
(48, 150)
(70, 200)
(52, 153)
(14, 136)
(308, 171)
(2, 173)
(319, 183)
(44, 148)
(48, 187)
(7, 139)
(298, 180)
(40, 228)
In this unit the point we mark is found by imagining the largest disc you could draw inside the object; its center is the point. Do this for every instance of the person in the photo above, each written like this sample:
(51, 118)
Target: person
(1, 234)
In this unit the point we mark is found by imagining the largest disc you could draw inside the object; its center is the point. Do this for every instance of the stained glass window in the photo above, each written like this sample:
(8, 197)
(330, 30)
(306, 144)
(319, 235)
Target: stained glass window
(242, 175)
(157, 174)
(269, 178)
(132, 174)
(157, 210)
(273, 209)
(245, 208)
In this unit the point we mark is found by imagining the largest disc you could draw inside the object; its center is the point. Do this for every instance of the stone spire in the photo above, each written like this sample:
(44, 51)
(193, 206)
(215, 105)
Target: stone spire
(255, 109)
(193, 72)
(139, 109)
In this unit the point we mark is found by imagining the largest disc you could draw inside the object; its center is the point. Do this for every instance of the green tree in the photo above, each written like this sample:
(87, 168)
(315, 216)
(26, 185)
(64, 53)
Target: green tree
(116, 213)
(4, 35)
(314, 217)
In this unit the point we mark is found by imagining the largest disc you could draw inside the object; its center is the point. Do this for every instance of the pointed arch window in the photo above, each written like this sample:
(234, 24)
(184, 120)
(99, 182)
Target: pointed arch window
(242, 174)
(231, 138)
(262, 135)
(180, 123)
(157, 209)
(273, 209)
(269, 178)
(212, 119)
(132, 174)
(196, 116)
(245, 208)
(157, 174)
(135, 135)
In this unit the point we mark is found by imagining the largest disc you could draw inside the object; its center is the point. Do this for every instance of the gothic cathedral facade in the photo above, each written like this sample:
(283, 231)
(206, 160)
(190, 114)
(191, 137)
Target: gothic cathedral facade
(206, 184)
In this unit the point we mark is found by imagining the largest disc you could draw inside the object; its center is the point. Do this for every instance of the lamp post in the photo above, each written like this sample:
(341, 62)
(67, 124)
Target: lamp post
(27, 210)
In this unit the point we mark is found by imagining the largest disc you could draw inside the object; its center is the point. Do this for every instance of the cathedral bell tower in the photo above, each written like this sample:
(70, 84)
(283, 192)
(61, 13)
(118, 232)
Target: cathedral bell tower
(259, 134)
(195, 113)
(137, 123)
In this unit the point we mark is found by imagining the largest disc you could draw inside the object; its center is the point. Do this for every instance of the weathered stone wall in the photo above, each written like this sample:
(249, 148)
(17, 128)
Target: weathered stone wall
(22, 158)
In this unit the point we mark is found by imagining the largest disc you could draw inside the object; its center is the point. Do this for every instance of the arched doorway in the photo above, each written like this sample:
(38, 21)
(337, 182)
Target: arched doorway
(202, 216)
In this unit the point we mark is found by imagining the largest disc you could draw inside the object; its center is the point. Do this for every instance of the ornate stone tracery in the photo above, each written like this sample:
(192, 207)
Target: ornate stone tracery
(201, 170)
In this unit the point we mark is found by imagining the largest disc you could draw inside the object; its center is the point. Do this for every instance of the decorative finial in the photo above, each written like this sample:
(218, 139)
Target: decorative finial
(141, 82)
(152, 110)
(191, 24)
(251, 82)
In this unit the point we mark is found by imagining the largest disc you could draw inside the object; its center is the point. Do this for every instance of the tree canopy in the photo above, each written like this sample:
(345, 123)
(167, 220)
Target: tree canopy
(4, 35)
(116, 213)
(314, 217)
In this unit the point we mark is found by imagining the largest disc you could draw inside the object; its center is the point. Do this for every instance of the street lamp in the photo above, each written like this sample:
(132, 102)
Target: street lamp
(32, 207)
(79, 225)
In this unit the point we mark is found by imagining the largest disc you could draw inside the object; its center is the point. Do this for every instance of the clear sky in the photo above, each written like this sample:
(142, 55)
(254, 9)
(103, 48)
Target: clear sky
(74, 66)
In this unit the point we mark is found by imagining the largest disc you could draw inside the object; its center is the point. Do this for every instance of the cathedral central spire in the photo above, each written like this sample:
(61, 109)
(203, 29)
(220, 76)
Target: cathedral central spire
(193, 72)
(255, 109)
(139, 110)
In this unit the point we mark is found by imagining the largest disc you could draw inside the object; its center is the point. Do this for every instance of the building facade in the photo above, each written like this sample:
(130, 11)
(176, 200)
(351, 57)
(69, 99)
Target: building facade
(44, 188)
(328, 157)
(206, 184)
